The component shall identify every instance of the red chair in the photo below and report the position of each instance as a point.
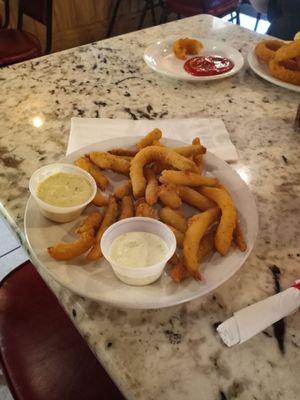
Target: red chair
(188, 8)
(42, 355)
(17, 45)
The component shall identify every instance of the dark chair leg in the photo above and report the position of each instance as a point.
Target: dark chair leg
(238, 22)
(141, 23)
(113, 18)
(151, 6)
(257, 21)
(164, 16)
(6, 14)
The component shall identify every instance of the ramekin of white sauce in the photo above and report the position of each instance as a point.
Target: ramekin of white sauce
(62, 191)
(138, 249)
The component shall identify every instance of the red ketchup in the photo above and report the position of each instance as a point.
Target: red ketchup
(208, 65)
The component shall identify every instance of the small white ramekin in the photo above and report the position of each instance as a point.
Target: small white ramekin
(134, 275)
(55, 213)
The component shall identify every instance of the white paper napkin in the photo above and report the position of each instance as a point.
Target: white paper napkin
(251, 320)
(212, 132)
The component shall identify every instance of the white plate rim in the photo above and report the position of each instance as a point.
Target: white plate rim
(137, 305)
(191, 78)
(255, 66)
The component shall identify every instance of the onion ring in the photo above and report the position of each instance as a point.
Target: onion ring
(279, 71)
(266, 49)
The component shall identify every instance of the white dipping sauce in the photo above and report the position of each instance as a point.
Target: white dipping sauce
(138, 249)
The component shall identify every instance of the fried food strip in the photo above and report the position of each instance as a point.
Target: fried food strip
(173, 218)
(191, 150)
(148, 140)
(123, 152)
(86, 231)
(280, 71)
(127, 208)
(91, 223)
(123, 190)
(100, 200)
(185, 46)
(158, 168)
(179, 236)
(142, 209)
(179, 272)
(238, 237)
(195, 199)
(288, 51)
(168, 195)
(207, 244)
(174, 259)
(266, 49)
(187, 178)
(151, 191)
(109, 218)
(106, 160)
(150, 154)
(197, 227)
(88, 166)
(224, 233)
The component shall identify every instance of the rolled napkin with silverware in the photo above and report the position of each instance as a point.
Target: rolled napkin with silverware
(252, 320)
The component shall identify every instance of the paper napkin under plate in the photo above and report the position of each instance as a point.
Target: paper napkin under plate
(212, 132)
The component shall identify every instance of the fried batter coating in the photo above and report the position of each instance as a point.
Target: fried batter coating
(127, 208)
(197, 227)
(148, 140)
(86, 231)
(151, 191)
(88, 166)
(173, 218)
(187, 178)
(124, 189)
(185, 46)
(150, 154)
(195, 199)
(224, 233)
(106, 160)
(109, 218)
(168, 195)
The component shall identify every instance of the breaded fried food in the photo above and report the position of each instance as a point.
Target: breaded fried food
(195, 199)
(109, 218)
(86, 232)
(127, 208)
(179, 236)
(150, 154)
(265, 50)
(187, 178)
(142, 209)
(148, 140)
(224, 233)
(85, 164)
(123, 152)
(238, 237)
(168, 195)
(151, 191)
(191, 150)
(173, 218)
(281, 70)
(179, 272)
(183, 47)
(106, 160)
(100, 200)
(207, 244)
(125, 189)
(197, 227)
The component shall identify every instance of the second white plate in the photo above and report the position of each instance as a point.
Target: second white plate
(262, 70)
(160, 57)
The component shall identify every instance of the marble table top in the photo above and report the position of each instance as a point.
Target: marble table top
(172, 353)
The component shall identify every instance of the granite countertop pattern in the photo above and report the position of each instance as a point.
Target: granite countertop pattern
(171, 353)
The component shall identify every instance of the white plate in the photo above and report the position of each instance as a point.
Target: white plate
(262, 70)
(160, 58)
(97, 281)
